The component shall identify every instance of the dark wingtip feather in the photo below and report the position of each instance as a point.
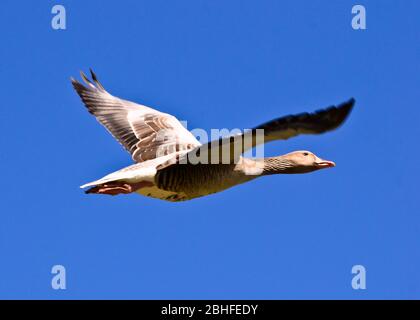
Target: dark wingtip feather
(74, 81)
(93, 75)
(84, 92)
(86, 79)
(77, 86)
(344, 110)
(348, 105)
(95, 79)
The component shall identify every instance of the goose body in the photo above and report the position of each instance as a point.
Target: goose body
(163, 150)
(185, 183)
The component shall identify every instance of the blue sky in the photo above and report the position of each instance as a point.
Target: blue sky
(217, 64)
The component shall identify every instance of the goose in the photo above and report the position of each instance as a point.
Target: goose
(162, 148)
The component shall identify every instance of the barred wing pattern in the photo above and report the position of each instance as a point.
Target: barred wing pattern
(144, 132)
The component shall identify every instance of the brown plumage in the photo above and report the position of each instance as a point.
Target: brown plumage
(164, 150)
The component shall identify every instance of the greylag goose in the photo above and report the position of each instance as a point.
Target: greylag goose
(165, 152)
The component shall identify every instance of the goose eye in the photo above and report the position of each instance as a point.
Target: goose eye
(305, 154)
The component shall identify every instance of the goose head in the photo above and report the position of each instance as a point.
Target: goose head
(296, 162)
(308, 160)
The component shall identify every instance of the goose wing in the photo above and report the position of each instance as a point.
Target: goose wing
(144, 132)
(283, 128)
(318, 122)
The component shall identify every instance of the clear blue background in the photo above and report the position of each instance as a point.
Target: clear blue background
(217, 64)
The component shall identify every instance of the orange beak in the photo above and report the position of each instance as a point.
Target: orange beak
(325, 164)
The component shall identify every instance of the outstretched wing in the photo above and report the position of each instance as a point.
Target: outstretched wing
(278, 129)
(144, 132)
(306, 123)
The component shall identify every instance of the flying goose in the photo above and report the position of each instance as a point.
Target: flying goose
(163, 149)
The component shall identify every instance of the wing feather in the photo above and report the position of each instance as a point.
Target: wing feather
(144, 132)
(278, 129)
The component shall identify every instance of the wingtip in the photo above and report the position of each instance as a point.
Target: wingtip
(84, 77)
(344, 111)
(73, 80)
(93, 74)
(76, 84)
(348, 105)
(95, 79)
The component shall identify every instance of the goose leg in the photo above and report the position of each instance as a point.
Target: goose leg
(111, 189)
(114, 188)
